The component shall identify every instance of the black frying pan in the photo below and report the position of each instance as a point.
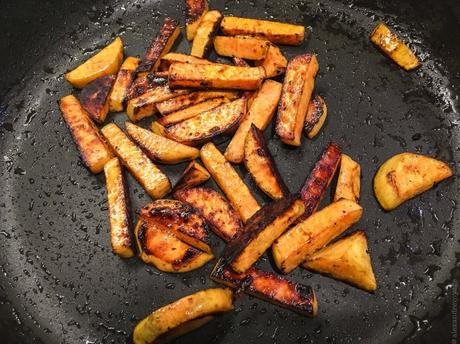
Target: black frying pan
(59, 281)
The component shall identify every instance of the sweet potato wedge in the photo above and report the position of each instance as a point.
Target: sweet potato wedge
(274, 63)
(170, 58)
(196, 9)
(181, 220)
(315, 117)
(215, 76)
(205, 33)
(205, 126)
(143, 84)
(349, 181)
(405, 176)
(160, 46)
(189, 308)
(392, 46)
(155, 182)
(186, 100)
(260, 113)
(246, 47)
(249, 95)
(269, 287)
(193, 175)
(94, 97)
(163, 250)
(276, 32)
(159, 148)
(297, 89)
(346, 259)
(214, 208)
(313, 233)
(191, 111)
(105, 62)
(260, 231)
(158, 129)
(118, 201)
(93, 149)
(261, 166)
(123, 82)
(229, 181)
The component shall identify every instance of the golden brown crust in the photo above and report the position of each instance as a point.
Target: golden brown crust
(349, 180)
(193, 175)
(94, 97)
(196, 9)
(143, 84)
(170, 58)
(122, 84)
(205, 33)
(245, 47)
(274, 63)
(316, 114)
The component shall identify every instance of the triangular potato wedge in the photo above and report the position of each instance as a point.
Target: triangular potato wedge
(94, 97)
(105, 62)
(193, 175)
(346, 259)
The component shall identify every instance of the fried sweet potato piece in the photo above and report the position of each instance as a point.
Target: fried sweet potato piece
(170, 58)
(93, 149)
(94, 97)
(349, 181)
(193, 175)
(143, 84)
(196, 9)
(205, 33)
(315, 117)
(246, 47)
(123, 82)
(274, 63)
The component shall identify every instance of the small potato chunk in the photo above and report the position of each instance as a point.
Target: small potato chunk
(189, 308)
(94, 97)
(118, 201)
(93, 149)
(193, 175)
(274, 63)
(105, 62)
(229, 181)
(196, 9)
(155, 182)
(346, 259)
(276, 32)
(315, 117)
(215, 76)
(393, 47)
(125, 78)
(297, 89)
(349, 181)
(245, 47)
(159, 148)
(260, 114)
(313, 233)
(405, 176)
(205, 33)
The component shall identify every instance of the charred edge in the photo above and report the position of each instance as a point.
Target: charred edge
(195, 9)
(143, 85)
(184, 102)
(210, 38)
(158, 44)
(182, 213)
(189, 255)
(128, 79)
(142, 236)
(316, 108)
(186, 177)
(94, 96)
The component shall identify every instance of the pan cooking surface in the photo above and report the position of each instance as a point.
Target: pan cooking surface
(60, 283)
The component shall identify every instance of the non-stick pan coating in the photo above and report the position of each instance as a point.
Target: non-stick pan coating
(59, 281)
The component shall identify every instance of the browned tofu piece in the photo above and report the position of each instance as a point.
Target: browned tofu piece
(94, 97)
(205, 33)
(246, 47)
(274, 63)
(196, 9)
(193, 175)
(315, 117)
(123, 82)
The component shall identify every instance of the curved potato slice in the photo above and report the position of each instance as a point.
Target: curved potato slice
(193, 175)
(405, 176)
(215, 209)
(315, 117)
(105, 62)
(163, 250)
(192, 307)
(94, 97)
(196, 9)
(160, 148)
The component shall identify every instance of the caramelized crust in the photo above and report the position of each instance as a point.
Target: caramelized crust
(95, 97)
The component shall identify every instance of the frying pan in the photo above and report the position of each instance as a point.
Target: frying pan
(59, 281)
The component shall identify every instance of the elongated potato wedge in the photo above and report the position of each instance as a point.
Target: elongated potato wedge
(214, 208)
(193, 175)
(215, 76)
(246, 47)
(205, 33)
(159, 148)
(297, 89)
(205, 126)
(274, 63)
(390, 44)
(315, 117)
(181, 102)
(312, 234)
(229, 181)
(181, 220)
(276, 32)
(105, 62)
(155, 182)
(123, 82)
(192, 111)
(249, 95)
(182, 311)
(145, 105)
(346, 259)
(143, 84)
(260, 114)
(118, 200)
(261, 166)
(93, 149)
(158, 129)
(269, 287)
(160, 46)
(166, 252)
(196, 10)
(349, 181)
(94, 97)
(260, 231)
(170, 58)
(405, 176)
